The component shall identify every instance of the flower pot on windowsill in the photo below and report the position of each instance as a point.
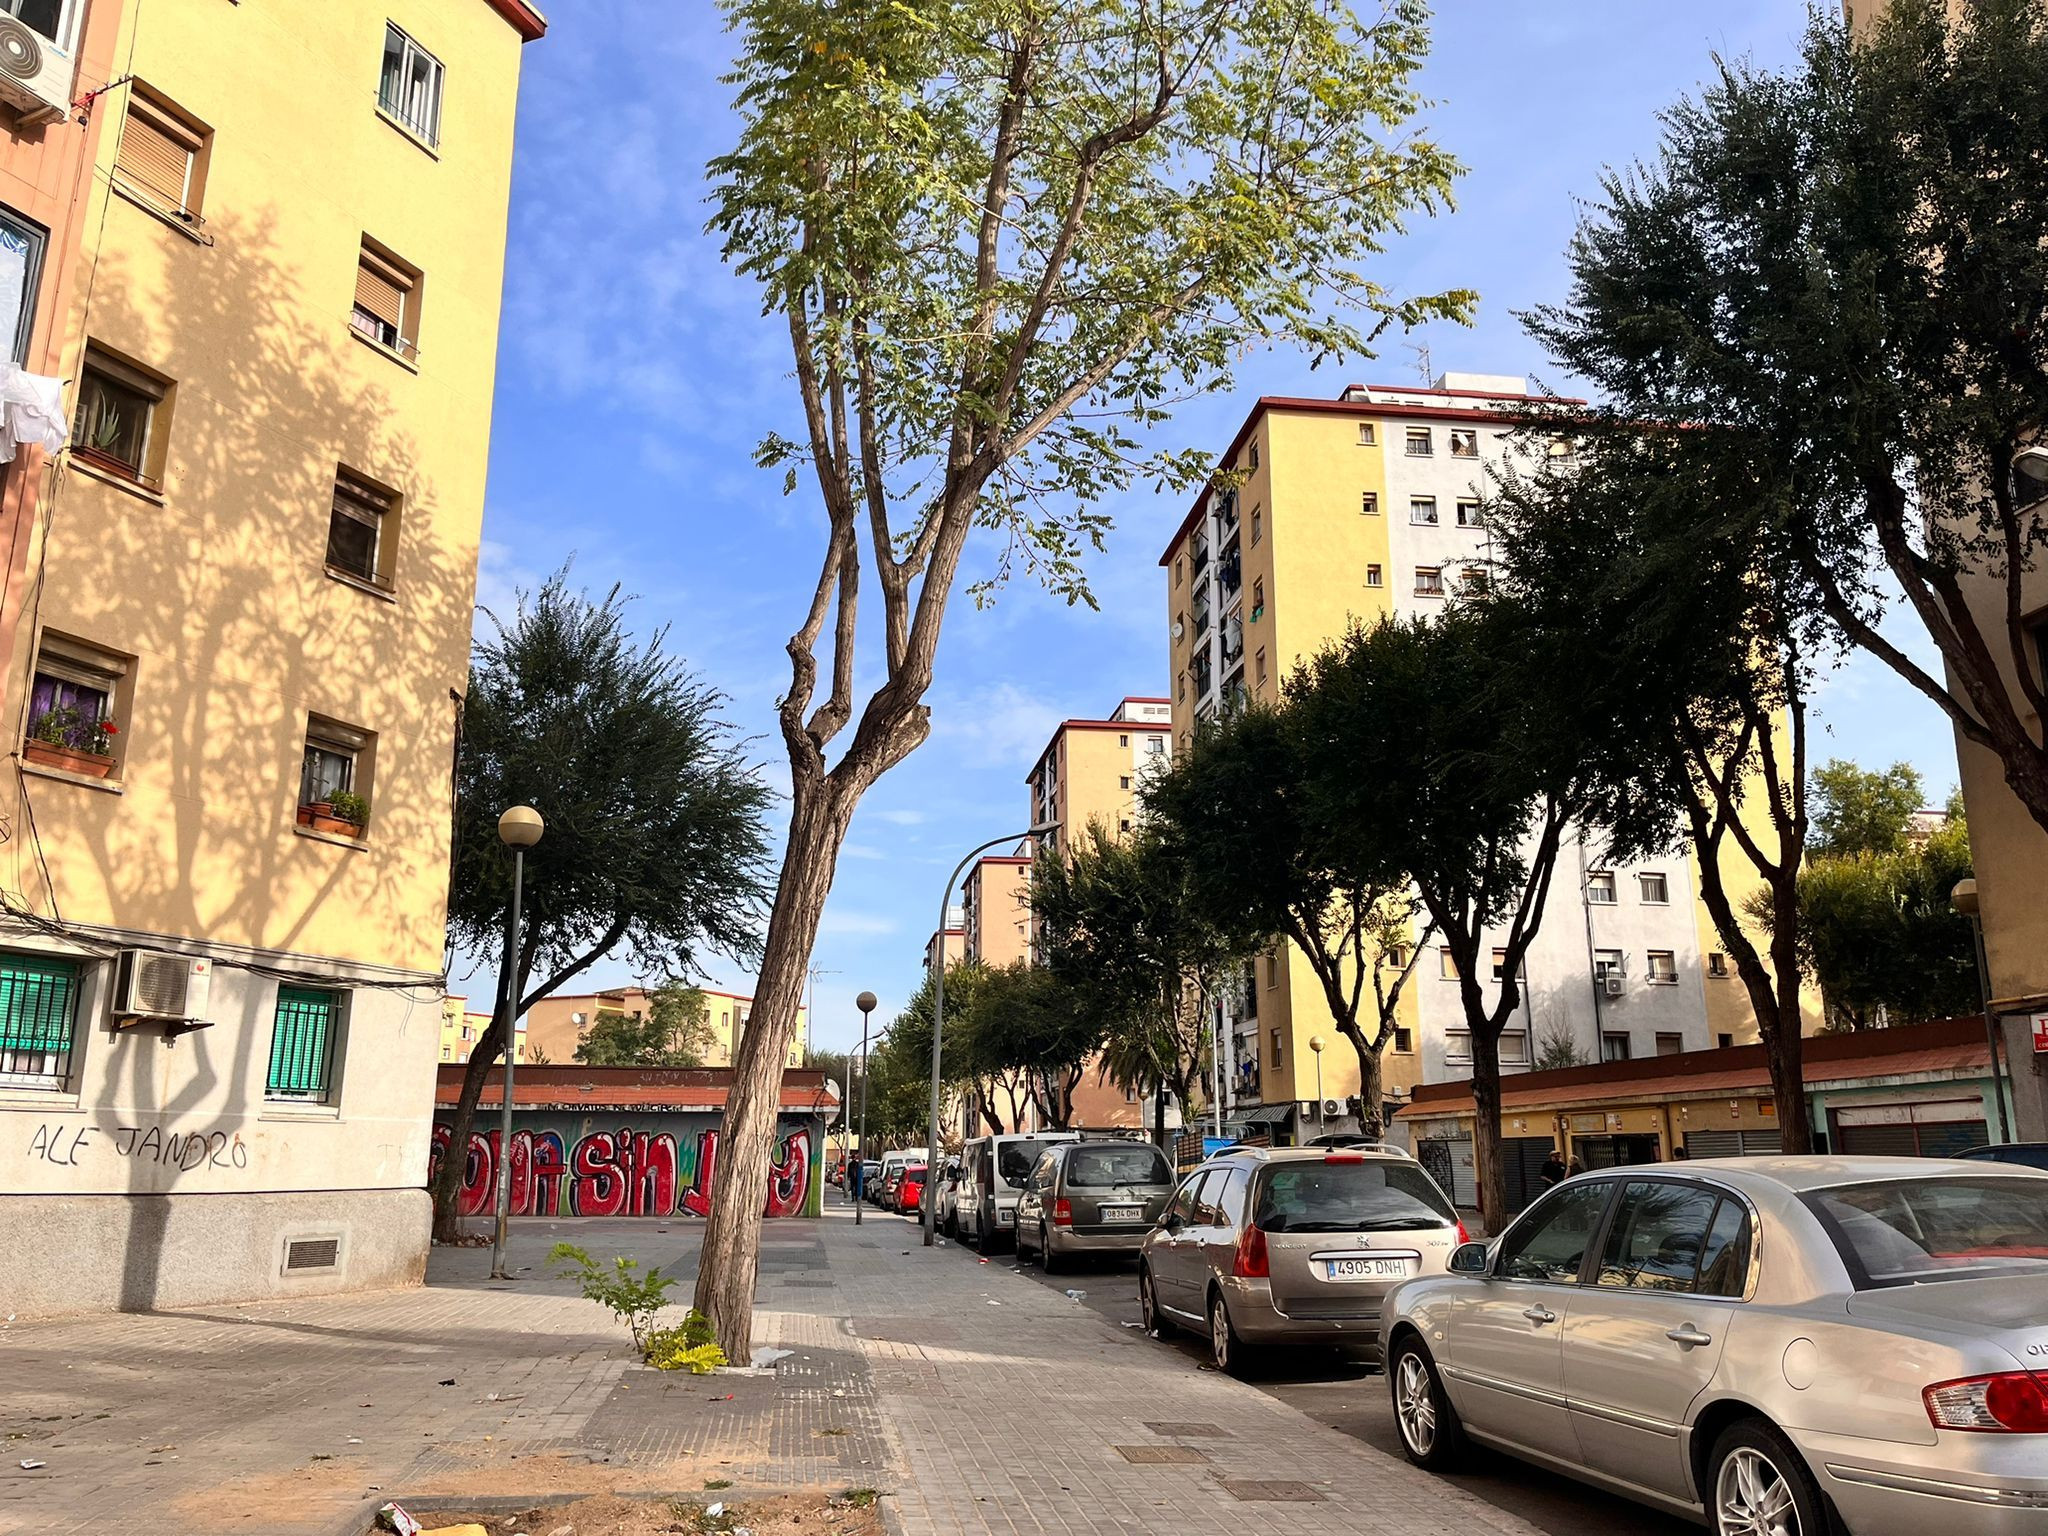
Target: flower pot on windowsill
(320, 817)
(91, 765)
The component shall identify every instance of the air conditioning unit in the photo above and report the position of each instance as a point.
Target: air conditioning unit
(35, 74)
(149, 984)
(1333, 1107)
(1613, 986)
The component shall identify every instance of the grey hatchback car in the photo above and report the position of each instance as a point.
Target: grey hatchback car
(1091, 1197)
(1292, 1245)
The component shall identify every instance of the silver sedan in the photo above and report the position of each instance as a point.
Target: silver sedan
(1770, 1344)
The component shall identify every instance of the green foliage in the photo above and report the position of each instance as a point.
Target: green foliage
(1034, 1022)
(67, 726)
(1556, 1050)
(1860, 810)
(347, 805)
(633, 1298)
(688, 1348)
(675, 1031)
(1880, 933)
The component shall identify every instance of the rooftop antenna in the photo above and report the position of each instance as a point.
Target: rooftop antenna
(1422, 363)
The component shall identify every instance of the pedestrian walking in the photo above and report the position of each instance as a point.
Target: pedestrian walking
(1553, 1170)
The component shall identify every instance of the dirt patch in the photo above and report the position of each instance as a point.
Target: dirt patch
(799, 1514)
(330, 1481)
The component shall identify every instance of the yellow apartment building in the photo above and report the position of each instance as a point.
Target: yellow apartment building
(555, 1025)
(241, 658)
(1353, 509)
(995, 907)
(461, 1028)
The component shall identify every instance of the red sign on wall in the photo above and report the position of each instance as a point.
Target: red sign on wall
(2041, 1033)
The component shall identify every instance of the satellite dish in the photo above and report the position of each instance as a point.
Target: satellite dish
(1178, 628)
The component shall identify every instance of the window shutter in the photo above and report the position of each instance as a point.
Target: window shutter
(154, 156)
(300, 1042)
(36, 1002)
(380, 291)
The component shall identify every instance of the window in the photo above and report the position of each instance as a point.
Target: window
(1155, 746)
(1717, 963)
(1422, 511)
(38, 1019)
(302, 1045)
(1180, 685)
(1123, 781)
(1123, 824)
(1670, 1045)
(1395, 956)
(1473, 578)
(1447, 967)
(1514, 1048)
(161, 159)
(1470, 513)
(21, 275)
(1656, 889)
(335, 761)
(1258, 524)
(1258, 598)
(1419, 444)
(1259, 664)
(1123, 740)
(52, 18)
(74, 702)
(1907, 1231)
(1500, 964)
(1614, 1047)
(1657, 1237)
(357, 529)
(1276, 1048)
(1176, 571)
(1272, 971)
(1317, 1196)
(1607, 962)
(1373, 576)
(1457, 1045)
(1550, 1242)
(1368, 434)
(387, 305)
(410, 89)
(1368, 503)
(116, 424)
(1255, 453)
(1464, 442)
(1663, 968)
(1600, 888)
(1404, 1041)
(1429, 581)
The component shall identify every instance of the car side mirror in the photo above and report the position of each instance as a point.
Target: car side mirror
(1468, 1259)
(1170, 1222)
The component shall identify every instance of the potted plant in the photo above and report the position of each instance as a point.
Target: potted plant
(63, 738)
(342, 813)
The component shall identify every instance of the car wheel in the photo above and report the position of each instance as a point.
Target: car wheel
(1047, 1259)
(1761, 1487)
(1148, 1306)
(1226, 1349)
(1430, 1432)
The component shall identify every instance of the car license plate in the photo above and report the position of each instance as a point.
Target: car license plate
(1005, 1216)
(1366, 1269)
(1123, 1213)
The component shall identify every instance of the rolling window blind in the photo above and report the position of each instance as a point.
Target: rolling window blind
(155, 155)
(380, 290)
(37, 1001)
(301, 1042)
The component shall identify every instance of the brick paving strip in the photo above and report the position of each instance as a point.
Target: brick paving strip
(978, 1400)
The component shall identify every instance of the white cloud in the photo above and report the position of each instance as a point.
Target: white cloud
(900, 818)
(844, 924)
(1003, 726)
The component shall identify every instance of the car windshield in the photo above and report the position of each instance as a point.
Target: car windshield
(1016, 1159)
(2028, 1154)
(1906, 1231)
(1367, 1196)
(1104, 1167)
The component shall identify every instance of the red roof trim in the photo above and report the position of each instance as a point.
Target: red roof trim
(1134, 699)
(1006, 858)
(1349, 408)
(526, 21)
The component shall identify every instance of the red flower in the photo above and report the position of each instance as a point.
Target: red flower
(109, 728)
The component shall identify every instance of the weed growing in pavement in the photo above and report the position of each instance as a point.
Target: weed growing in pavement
(859, 1498)
(688, 1348)
(713, 1484)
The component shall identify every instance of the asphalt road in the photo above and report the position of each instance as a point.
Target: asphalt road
(1351, 1396)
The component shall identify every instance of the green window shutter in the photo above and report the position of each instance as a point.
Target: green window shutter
(301, 1042)
(38, 1000)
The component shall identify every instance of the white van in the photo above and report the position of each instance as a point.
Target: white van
(992, 1171)
(891, 1161)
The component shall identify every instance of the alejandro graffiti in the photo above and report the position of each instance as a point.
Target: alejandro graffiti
(621, 1170)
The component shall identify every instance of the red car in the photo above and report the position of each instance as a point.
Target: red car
(910, 1190)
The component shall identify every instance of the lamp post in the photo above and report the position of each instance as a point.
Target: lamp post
(866, 1004)
(1964, 899)
(1315, 1044)
(518, 829)
(931, 1163)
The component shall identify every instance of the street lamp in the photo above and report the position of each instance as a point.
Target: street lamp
(518, 829)
(931, 1164)
(866, 1004)
(1315, 1044)
(1964, 899)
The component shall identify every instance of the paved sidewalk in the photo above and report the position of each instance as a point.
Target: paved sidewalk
(979, 1400)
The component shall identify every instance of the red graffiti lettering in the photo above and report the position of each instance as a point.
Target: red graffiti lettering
(614, 1173)
(697, 1199)
(599, 1188)
(789, 1176)
(653, 1175)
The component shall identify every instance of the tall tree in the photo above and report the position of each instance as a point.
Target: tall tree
(674, 1031)
(1001, 234)
(655, 846)
(1457, 752)
(1235, 811)
(1864, 810)
(1833, 269)
(1646, 559)
(1030, 1021)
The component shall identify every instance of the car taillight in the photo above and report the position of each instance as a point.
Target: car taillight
(2011, 1403)
(1463, 1236)
(1250, 1263)
(1063, 1213)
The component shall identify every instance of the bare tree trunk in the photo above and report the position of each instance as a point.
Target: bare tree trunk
(1492, 1177)
(1371, 1097)
(731, 1253)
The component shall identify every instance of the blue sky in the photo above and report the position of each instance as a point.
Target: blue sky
(636, 374)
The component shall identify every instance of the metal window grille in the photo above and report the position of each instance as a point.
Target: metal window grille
(302, 1044)
(38, 1017)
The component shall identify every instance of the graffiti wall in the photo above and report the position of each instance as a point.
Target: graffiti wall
(625, 1164)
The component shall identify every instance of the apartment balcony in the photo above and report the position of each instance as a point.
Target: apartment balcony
(1198, 553)
(1202, 672)
(1233, 638)
(1229, 572)
(1226, 517)
(1198, 615)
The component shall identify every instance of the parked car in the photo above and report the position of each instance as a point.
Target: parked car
(1267, 1246)
(992, 1171)
(893, 1164)
(944, 1189)
(885, 1192)
(909, 1190)
(870, 1179)
(1768, 1343)
(2026, 1154)
(1091, 1197)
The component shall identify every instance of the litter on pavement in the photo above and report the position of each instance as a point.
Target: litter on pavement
(30, 1466)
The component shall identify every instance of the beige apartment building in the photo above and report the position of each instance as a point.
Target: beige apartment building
(462, 1027)
(995, 907)
(1350, 510)
(242, 648)
(554, 1026)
